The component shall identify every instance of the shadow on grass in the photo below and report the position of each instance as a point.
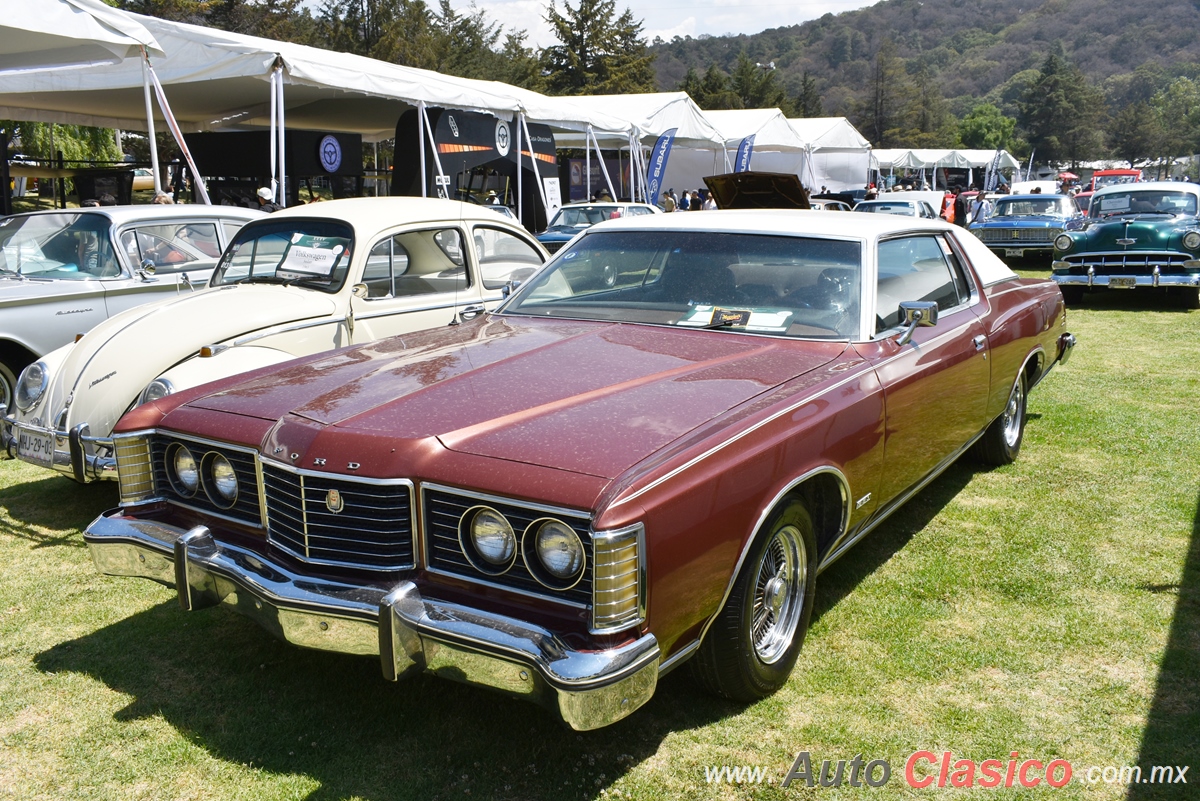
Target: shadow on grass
(1172, 735)
(1163, 299)
(51, 511)
(874, 550)
(245, 698)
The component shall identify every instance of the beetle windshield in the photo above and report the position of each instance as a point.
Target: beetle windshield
(1143, 201)
(312, 253)
(777, 285)
(72, 247)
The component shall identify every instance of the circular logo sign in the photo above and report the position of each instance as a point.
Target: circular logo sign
(503, 140)
(330, 153)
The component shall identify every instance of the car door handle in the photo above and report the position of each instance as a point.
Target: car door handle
(980, 342)
(471, 312)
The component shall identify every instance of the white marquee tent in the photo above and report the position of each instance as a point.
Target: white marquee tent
(839, 157)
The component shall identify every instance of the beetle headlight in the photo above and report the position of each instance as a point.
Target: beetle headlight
(1191, 240)
(1062, 242)
(224, 480)
(491, 544)
(31, 385)
(156, 390)
(554, 554)
(184, 472)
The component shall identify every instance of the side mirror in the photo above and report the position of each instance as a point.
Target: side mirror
(148, 267)
(917, 313)
(359, 290)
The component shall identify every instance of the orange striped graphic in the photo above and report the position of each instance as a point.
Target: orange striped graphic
(448, 148)
(546, 157)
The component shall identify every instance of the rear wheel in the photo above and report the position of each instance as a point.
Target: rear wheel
(753, 644)
(1001, 443)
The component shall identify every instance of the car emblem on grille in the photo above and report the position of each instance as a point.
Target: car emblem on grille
(334, 501)
(1016, 234)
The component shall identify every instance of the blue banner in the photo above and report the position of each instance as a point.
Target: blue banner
(745, 151)
(658, 163)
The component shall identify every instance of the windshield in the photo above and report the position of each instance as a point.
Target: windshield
(777, 285)
(904, 209)
(1143, 201)
(1029, 207)
(72, 247)
(580, 217)
(1102, 181)
(313, 253)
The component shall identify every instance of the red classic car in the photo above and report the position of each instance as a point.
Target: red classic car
(645, 457)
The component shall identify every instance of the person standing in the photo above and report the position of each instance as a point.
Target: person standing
(960, 207)
(265, 200)
(683, 204)
(668, 202)
(981, 208)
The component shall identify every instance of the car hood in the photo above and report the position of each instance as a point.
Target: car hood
(548, 393)
(1025, 220)
(1150, 232)
(104, 372)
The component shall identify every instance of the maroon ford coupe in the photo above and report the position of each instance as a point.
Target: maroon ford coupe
(646, 456)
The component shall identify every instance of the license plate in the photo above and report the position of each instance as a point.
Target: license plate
(1122, 283)
(35, 447)
(1014, 253)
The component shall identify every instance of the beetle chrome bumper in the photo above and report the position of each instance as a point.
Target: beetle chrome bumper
(75, 453)
(410, 634)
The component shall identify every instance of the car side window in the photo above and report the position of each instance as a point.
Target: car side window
(916, 268)
(172, 247)
(504, 257)
(421, 262)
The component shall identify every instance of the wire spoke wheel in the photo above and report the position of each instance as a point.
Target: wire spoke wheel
(1012, 422)
(778, 594)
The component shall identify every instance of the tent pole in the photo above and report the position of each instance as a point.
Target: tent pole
(375, 164)
(537, 173)
(520, 194)
(273, 137)
(587, 151)
(173, 126)
(442, 189)
(150, 125)
(603, 169)
(282, 201)
(421, 143)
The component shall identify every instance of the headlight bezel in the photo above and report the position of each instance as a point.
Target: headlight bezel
(1063, 242)
(535, 562)
(210, 464)
(468, 540)
(179, 485)
(1191, 240)
(164, 387)
(23, 399)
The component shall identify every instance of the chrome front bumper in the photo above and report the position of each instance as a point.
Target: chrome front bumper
(75, 452)
(409, 634)
(1155, 279)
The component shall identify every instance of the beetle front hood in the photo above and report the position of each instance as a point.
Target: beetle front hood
(107, 369)
(592, 398)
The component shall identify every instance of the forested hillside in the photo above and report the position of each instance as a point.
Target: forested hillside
(935, 61)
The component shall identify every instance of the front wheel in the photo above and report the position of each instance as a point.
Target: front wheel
(1001, 443)
(753, 644)
(8, 386)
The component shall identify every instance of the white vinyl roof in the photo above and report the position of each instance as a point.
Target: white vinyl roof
(829, 133)
(769, 127)
(67, 33)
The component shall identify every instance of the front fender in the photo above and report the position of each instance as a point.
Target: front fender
(202, 369)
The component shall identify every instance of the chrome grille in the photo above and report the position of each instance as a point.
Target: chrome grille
(134, 471)
(553, 247)
(442, 512)
(372, 530)
(1023, 235)
(1124, 263)
(244, 510)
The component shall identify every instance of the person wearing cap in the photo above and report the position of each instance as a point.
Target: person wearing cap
(492, 199)
(265, 202)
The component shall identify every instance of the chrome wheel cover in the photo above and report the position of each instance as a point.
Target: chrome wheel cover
(779, 591)
(1011, 420)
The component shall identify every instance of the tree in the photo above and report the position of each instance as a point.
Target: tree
(886, 98)
(1136, 135)
(1061, 113)
(600, 53)
(987, 128)
(757, 87)
(808, 103)
(43, 140)
(1178, 112)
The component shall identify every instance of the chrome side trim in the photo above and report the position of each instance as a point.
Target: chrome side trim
(762, 518)
(678, 658)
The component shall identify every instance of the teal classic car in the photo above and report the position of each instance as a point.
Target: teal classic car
(1136, 236)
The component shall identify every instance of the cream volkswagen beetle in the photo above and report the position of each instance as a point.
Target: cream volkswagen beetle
(301, 281)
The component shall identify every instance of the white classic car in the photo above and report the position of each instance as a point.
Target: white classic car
(62, 272)
(300, 281)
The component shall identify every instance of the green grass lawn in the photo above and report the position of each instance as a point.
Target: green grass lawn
(1051, 607)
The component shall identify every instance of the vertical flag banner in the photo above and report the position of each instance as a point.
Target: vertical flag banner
(658, 163)
(745, 151)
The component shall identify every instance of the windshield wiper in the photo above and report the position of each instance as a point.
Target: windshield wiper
(262, 279)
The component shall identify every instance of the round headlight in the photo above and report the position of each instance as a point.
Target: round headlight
(558, 555)
(1062, 242)
(156, 390)
(224, 480)
(186, 471)
(1191, 240)
(31, 385)
(492, 539)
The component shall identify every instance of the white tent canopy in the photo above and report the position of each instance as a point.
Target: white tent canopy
(927, 159)
(68, 34)
(652, 114)
(839, 157)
